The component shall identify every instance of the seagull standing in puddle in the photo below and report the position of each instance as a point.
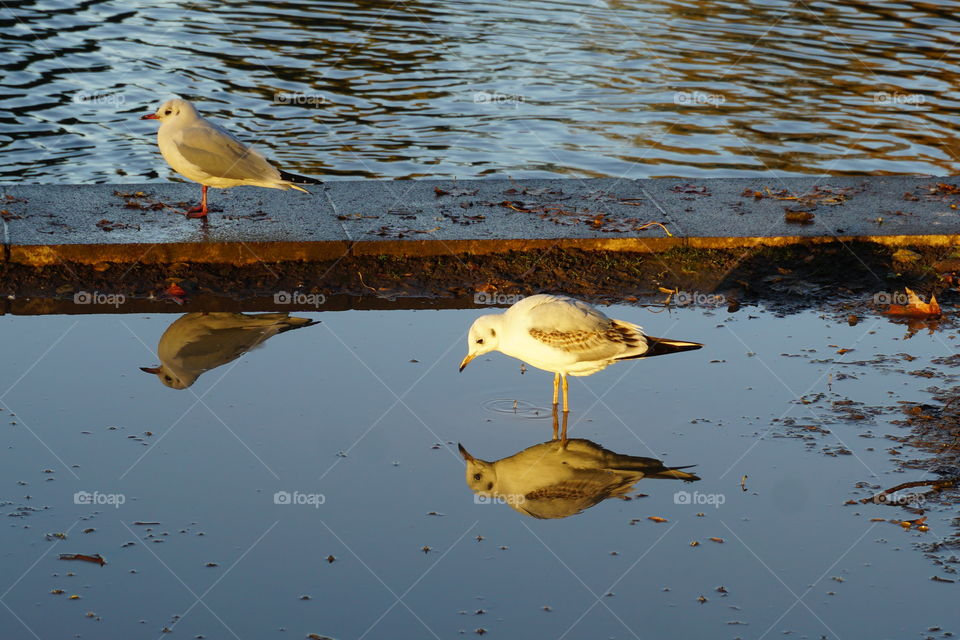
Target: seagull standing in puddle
(204, 152)
(564, 336)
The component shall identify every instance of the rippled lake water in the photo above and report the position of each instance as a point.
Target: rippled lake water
(470, 89)
(354, 423)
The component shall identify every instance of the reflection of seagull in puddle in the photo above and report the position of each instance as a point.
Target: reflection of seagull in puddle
(559, 478)
(564, 336)
(199, 342)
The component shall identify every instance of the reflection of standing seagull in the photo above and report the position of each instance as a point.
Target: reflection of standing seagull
(557, 479)
(199, 342)
(206, 153)
(564, 336)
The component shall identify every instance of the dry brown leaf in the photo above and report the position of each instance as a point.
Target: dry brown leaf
(915, 307)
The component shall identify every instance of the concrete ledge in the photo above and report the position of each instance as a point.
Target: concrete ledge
(139, 223)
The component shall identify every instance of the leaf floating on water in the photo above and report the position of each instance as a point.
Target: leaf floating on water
(720, 540)
(656, 518)
(915, 307)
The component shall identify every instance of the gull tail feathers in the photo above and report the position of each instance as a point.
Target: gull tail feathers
(664, 346)
(675, 473)
(292, 180)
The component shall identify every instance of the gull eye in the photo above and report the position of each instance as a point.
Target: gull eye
(477, 476)
(167, 112)
(167, 378)
(479, 340)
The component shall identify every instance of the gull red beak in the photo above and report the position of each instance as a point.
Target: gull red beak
(156, 369)
(149, 116)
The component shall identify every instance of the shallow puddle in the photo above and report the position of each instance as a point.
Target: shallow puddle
(314, 484)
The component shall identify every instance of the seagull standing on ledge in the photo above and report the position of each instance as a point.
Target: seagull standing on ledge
(203, 152)
(564, 336)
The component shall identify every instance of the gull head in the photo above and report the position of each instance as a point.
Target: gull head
(484, 337)
(172, 110)
(481, 475)
(167, 377)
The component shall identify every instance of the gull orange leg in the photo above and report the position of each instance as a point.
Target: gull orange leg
(201, 211)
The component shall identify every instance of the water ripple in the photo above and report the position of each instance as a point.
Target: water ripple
(468, 89)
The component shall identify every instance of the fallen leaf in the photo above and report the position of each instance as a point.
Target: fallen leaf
(656, 519)
(915, 307)
(175, 290)
(798, 217)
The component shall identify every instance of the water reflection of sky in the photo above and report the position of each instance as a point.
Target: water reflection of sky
(340, 409)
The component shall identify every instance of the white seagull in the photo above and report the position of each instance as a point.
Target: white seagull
(564, 336)
(206, 153)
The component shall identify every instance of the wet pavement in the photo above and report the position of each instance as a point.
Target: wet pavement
(47, 224)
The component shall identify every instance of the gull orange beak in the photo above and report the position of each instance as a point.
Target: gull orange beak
(149, 116)
(155, 369)
(466, 454)
(466, 361)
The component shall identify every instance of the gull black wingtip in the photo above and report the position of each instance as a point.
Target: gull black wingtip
(297, 179)
(664, 346)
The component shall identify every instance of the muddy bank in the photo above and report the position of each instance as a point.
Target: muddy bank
(785, 276)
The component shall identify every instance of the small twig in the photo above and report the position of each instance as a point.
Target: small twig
(365, 284)
(95, 558)
(647, 225)
(938, 485)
